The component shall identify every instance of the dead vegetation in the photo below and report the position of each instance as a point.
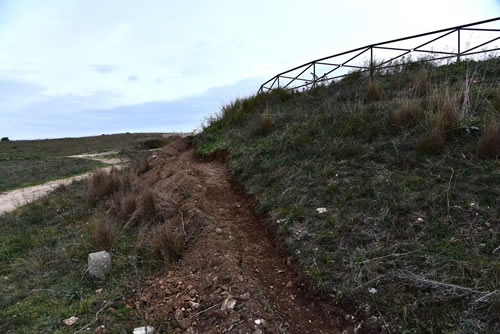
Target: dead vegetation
(489, 142)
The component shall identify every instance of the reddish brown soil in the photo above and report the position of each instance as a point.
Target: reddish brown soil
(229, 258)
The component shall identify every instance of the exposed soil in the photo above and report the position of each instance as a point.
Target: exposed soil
(231, 278)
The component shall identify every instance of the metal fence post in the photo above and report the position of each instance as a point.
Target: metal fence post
(458, 50)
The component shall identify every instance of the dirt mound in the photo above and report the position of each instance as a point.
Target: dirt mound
(231, 279)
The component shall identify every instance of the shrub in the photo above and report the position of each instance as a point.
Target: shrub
(103, 234)
(138, 162)
(99, 185)
(489, 142)
(123, 204)
(407, 113)
(146, 212)
(266, 123)
(374, 90)
(446, 108)
(432, 141)
(166, 245)
(5, 139)
(421, 84)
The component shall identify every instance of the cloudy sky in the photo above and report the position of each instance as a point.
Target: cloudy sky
(85, 67)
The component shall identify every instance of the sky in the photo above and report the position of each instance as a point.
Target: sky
(72, 68)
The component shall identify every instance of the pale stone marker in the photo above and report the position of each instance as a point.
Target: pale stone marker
(99, 264)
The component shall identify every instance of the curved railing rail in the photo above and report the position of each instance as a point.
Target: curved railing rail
(336, 66)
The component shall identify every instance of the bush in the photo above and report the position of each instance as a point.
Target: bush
(489, 142)
(166, 245)
(445, 107)
(103, 234)
(266, 123)
(374, 90)
(5, 139)
(99, 185)
(432, 141)
(421, 84)
(407, 113)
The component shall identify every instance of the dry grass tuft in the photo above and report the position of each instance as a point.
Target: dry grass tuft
(99, 185)
(146, 212)
(103, 234)
(407, 113)
(166, 245)
(431, 142)
(489, 142)
(421, 85)
(374, 90)
(266, 123)
(446, 107)
(123, 204)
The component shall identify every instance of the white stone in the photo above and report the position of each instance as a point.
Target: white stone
(372, 290)
(144, 330)
(70, 321)
(228, 304)
(99, 264)
(321, 210)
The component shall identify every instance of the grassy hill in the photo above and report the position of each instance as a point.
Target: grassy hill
(406, 165)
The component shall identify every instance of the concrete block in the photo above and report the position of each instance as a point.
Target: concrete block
(99, 264)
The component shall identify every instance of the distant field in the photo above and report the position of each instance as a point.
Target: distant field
(29, 162)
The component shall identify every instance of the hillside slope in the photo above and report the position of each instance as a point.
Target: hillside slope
(406, 166)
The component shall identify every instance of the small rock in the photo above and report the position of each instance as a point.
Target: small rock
(239, 277)
(321, 210)
(372, 291)
(70, 321)
(228, 304)
(98, 291)
(194, 305)
(184, 323)
(99, 264)
(101, 329)
(258, 321)
(289, 284)
(245, 296)
(144, 330)
(218, 230)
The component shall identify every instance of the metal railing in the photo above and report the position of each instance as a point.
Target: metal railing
(334, 67)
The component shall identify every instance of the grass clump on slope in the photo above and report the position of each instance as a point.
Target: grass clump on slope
(406, 164)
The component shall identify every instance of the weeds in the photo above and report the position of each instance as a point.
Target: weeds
(166, 245)
(489, 142)
(103, 233)
(266, 123)
(374, 90)
(99, 185)
(421, 85)
(407, 113)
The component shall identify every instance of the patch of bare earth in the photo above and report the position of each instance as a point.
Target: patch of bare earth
(231, 278)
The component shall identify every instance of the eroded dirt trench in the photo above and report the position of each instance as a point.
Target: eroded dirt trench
(231, 278)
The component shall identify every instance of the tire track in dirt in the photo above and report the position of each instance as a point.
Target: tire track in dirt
(231, 278)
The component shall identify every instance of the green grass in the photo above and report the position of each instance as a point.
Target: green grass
(23, 173)
(418, 225)
(30, 162)
(43, 261)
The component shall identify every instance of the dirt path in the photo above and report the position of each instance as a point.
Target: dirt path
(231, 278)
(12, 199)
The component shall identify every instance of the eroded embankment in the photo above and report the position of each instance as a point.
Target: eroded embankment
(231, 278)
